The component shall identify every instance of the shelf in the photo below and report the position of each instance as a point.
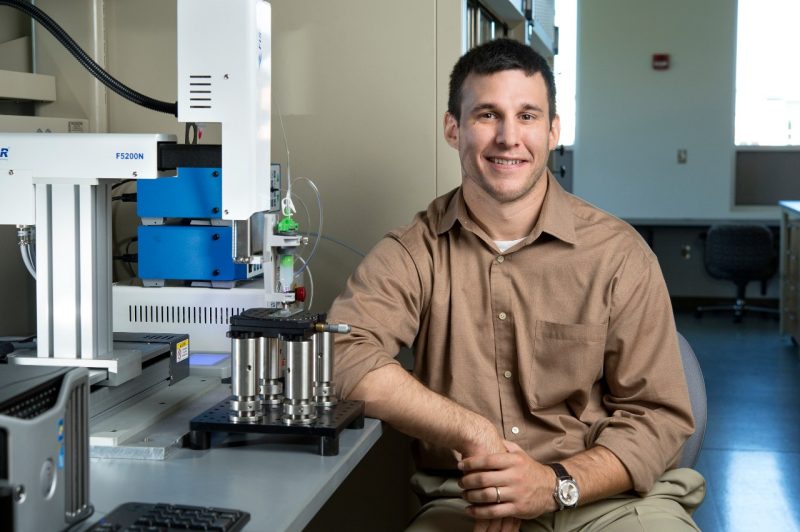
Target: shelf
(42, 124)
(505, 10)
(27, 87)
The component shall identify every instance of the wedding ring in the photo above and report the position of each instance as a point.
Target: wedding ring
(498, 494)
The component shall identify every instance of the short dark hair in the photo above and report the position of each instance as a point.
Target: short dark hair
(496, 56)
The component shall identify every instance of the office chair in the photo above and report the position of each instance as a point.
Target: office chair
(697, 396)
(740, 253)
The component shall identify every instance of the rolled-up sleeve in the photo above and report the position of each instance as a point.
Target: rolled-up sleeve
(647, 398)
(382, 303)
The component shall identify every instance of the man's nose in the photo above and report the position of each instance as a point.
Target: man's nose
(507, 133)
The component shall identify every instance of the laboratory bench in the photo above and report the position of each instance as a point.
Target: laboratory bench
(282, 482)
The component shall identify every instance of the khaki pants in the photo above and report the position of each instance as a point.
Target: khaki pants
(667, 507)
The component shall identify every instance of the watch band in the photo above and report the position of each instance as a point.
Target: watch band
(561, 472)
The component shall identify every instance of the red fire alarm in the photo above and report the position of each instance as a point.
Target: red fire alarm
(660, 61)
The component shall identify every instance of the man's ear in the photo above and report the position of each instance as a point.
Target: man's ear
(451, 130)
(555, 132)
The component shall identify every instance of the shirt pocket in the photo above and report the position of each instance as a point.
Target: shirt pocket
(566, 363)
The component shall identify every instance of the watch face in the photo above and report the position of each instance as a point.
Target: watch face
(568, 492)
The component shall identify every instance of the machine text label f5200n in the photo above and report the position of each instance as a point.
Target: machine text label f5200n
(127, 155)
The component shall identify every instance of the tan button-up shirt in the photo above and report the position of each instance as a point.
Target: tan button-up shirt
(564, 341)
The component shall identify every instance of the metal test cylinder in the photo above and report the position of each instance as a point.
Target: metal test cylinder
(315, 347)
(245, 405)
(298, 401)
(324, 390)
(261, 356)
(270, 374)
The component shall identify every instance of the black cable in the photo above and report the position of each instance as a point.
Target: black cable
(129, 197)
(83, 58)
(128, 252)
(131, 240)
(124, 181)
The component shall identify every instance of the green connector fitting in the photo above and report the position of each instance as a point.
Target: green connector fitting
(287, 225)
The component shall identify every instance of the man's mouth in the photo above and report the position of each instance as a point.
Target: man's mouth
(505, 162)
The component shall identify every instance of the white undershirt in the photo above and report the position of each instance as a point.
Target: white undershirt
(504, 245)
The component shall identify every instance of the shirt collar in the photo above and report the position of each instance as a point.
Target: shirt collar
(556, 217)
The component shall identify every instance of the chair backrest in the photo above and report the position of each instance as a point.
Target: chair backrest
(740, 252)
(697, 396)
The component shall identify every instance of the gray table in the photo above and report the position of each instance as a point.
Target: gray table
(281, 485)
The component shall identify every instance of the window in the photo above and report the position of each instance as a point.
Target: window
(767, 76)
(483, 26)
(565, 67)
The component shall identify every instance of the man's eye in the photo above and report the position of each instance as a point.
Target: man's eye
(488, 116)
(527, 116)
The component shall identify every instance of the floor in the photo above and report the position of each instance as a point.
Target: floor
(751, 451)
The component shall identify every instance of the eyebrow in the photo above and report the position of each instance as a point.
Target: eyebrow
(488, 106)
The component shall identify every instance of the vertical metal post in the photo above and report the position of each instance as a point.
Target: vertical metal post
(298, 402)
(325, 390)
(272, 388)
(245, 406)
(73, 261)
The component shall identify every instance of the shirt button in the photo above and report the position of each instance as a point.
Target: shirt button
(515, 430)
(507, 374)
(502, 315)
(500, 258)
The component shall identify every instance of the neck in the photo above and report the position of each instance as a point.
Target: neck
(505, 220)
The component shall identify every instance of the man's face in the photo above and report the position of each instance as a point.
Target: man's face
(504, 136)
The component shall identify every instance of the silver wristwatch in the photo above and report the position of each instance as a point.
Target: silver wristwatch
(566, 493)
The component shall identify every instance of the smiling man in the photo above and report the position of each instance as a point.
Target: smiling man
(547, 391)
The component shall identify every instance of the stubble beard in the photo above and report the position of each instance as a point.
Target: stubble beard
(509, 196)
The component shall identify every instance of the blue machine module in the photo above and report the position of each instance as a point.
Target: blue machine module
(175, 249)
(188, 253)
(195, 193)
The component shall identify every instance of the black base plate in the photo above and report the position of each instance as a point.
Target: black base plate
(329, 424)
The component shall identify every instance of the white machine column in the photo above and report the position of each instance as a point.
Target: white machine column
(73, 262)
(61, 183)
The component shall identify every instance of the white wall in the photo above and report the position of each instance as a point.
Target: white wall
(356, 84)
(631, 119)
(13, 24)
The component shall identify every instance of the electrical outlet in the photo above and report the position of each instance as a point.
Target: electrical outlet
(682, 156)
